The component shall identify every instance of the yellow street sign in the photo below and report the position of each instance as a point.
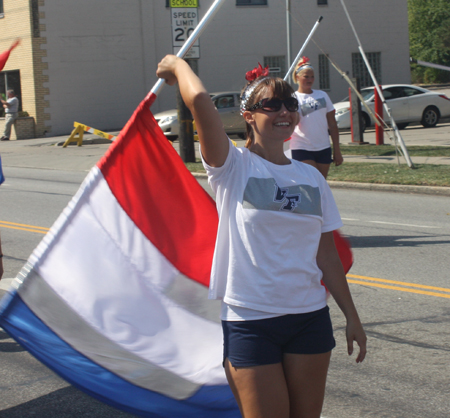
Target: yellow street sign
(183, 3)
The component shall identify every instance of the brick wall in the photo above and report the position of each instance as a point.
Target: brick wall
(21, 19)
(23, 128)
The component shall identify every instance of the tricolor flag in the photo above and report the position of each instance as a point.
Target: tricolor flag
(114, 298)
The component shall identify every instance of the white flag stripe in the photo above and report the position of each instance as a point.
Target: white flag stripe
(47, 305)
(153, 327)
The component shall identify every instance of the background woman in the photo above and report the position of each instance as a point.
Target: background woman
(277, 330)
(310, 141)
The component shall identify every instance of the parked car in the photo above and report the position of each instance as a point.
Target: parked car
(407, 104)
(227, 103)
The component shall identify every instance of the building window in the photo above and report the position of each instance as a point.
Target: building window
(324, 72)
(277, 65)
(322, 2)
(10, 80)
(251, 2)
(1, 8)
(360, 70)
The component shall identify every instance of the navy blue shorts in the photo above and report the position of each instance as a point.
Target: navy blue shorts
(264, 341)
(321, 157)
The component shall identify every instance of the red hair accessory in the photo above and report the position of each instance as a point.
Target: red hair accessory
(257, 72)
(303, 61)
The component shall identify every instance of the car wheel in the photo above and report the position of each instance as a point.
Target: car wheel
(242, 135)
(172, 138)
(365, 120)
(401, 126)
(430, 117)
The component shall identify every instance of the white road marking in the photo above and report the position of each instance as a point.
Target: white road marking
(394, 223)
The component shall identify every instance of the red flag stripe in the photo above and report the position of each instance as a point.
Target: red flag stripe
(153, 186)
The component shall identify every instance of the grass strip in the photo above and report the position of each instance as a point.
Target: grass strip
(389, 150)
(422, 175)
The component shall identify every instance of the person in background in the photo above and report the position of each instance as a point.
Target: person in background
(11, 113)
(274, 245)
(310, 142)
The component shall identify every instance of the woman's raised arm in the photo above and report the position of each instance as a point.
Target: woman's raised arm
(213, 139)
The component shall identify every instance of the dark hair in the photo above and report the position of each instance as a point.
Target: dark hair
(279, 88)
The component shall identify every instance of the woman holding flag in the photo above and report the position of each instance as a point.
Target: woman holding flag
(277, 329)
(310, 141)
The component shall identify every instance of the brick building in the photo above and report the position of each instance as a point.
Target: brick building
(92, 61)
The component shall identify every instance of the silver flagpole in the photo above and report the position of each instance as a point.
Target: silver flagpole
(375, 83)
(286, 77)
(190, 41)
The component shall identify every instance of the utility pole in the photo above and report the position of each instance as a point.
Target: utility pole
(186, 131)
(288, 29)
(184, 26)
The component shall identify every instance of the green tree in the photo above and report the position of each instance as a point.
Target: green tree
(429, 38)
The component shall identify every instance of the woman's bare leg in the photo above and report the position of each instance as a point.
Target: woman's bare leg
(306, 376)
(323, 168)
(260, 391)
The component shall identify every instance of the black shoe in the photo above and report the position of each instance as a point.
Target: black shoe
(3, 138)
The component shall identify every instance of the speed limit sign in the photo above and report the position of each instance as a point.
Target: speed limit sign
(184, 21)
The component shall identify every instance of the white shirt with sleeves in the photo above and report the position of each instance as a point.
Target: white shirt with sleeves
(13, 105)
(311, 133)
(271, 218)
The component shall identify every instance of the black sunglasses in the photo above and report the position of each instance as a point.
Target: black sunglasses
(274, 105)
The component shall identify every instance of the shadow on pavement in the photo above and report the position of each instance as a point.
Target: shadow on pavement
(64, 403)
(383, 241)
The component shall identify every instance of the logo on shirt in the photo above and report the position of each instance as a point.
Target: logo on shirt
(288, 202)
(313, 105)
(266, 194)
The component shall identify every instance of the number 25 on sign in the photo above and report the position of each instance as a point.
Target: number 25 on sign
(183, 3)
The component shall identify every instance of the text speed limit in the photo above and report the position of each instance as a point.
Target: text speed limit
(184, 21)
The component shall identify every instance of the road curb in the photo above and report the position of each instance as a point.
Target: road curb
(401, 188)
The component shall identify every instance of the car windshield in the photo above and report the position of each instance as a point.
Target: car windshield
(366, 93)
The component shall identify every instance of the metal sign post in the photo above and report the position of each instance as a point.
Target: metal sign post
(184, 21)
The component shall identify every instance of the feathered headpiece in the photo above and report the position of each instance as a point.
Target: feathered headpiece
(303, 65)
(259, 73)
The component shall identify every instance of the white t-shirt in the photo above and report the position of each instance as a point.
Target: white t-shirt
(311, 133)
(271, 218)
(13, 105)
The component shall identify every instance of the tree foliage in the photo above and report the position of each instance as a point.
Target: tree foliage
(429, 38)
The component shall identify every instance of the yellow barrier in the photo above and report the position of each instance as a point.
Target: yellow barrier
(77, 134)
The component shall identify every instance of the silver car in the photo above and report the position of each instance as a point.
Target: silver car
(407, 103)
(227, 103)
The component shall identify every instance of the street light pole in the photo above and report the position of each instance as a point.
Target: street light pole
(288, 30)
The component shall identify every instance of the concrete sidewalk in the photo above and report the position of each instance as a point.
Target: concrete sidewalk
(48, 153)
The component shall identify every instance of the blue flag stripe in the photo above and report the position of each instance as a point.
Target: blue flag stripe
(28, 330)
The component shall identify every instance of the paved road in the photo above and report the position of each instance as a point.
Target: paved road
(399, 239)
(408, 368)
